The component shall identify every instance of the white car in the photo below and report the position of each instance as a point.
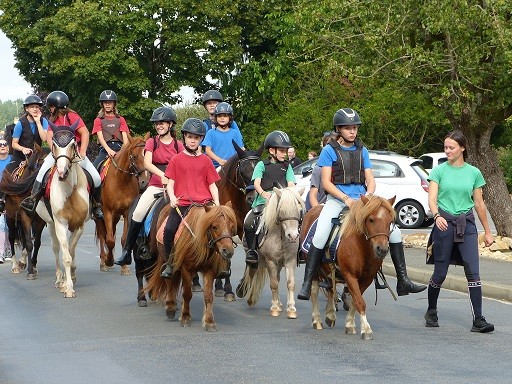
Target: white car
(395, 175)
(430, 160)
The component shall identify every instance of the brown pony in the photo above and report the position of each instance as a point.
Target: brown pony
(120, 187)
(363, 245)
(206, 246)
(235, 178)
(20, 225)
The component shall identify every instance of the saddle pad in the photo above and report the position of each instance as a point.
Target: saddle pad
(105, 165)
(49, 181)
(160, 232)
(306, 244)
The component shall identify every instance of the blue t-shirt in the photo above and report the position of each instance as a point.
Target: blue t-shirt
(16, 134)
(3, 164)
(220, 142)
(328, 158)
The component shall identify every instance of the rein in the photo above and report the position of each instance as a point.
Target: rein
(136, 171)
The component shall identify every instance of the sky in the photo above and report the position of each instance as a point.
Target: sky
(12, 85)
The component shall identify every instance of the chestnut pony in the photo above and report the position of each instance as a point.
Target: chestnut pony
(19, 223)
(205, 245)
(121, 185)
(361, 250)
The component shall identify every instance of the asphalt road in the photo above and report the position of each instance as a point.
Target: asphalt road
(102, 336)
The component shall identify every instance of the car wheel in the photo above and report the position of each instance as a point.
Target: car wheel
(409, 215)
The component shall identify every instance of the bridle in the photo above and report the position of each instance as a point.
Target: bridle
(238, 174)
(280, 220)
(133, 170)
(368, 236)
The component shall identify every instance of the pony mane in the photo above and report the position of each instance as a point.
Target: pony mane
(196, 249)
(353, 223)
(286, 204)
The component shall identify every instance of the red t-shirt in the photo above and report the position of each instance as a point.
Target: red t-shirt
(68, 121)
(123, 127)
(161, 155)
(192, 177)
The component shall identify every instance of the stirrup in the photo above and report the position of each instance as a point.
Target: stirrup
(28, 204)
(167, 272)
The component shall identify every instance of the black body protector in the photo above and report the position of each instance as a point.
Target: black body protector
(348, 167)
(274, 175)
(110, 129)
(27, 138)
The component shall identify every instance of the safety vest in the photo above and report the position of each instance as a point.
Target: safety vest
(110, 129)
(274, 175)
(348, 167)
(27, 138)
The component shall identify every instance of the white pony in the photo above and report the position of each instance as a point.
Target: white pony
(280, 222)
(69, 202)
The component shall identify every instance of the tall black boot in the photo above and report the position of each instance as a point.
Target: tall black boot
(29, 203)
(97, 212)
(404, 285)
(133, 232)
(2, 202)
(312, 262)
(251, 255)
(168, 271)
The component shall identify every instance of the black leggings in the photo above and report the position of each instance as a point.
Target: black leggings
(171, 227)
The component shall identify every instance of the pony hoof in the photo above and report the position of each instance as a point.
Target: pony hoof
(22, 266)
(330, 323)
(197, 288)
(142, 303)
(367, 336)
(185, 323)
(240, 291)
(32, 276)
(229, 297)
(274, 312)
(210, 328)
(15, 271)
(318, 326)
(125, 270)
(219, 292)
(350, 330)
(170, 313)
(69, 295)
(103, 268)
(291, 314)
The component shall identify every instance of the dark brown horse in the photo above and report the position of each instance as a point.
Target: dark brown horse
(20, 225)
(361, 250)
(121, 185)
(235, 178)
(205, 246)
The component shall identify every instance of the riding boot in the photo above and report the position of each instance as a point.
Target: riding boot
(2, 202)
(378, 285)
(29, 203)
(251, 255)
(168, 271)
(312, 262)
(97, 212)
(133, 233)
(404, 285)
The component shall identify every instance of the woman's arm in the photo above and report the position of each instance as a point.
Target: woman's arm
(84, 140)
(481, 211)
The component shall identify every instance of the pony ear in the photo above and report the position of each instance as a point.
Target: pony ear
(239, 151)
(259, 151)
(147, 135)
(300, 191)
(74, 125)
(277, 191)
(364, 199)
(53, 126)
(392, 200)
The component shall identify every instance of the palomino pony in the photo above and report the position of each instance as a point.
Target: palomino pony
(235, 177)
(281, 222)
(69, 205)
(120, 188)
(205, 245)
(364, 242)
(19, 223)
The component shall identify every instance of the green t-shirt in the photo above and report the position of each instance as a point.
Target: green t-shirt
(258, 174)
(456, 186)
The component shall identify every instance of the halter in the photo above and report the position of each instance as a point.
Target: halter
(136, 171)
(238, 174)
(212, 241)
(299, 219)
(368, 236)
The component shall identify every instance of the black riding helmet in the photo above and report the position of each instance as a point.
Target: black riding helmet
(163, 114)
(346, 116)
(223, 108)
(194, 126)
(33, 99)
(277, 139)
(212, 94)
(108, 95)
(57, 99)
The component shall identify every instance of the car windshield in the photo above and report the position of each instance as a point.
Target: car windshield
(302, 166)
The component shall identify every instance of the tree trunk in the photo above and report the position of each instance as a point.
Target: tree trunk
(496, 196)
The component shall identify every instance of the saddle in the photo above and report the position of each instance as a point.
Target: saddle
(103, 167)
